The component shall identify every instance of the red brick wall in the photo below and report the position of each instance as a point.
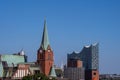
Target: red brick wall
(75, 63)
(45, 60)
(79, 64)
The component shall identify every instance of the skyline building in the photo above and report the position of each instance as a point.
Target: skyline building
(75, 70)
(90, 58)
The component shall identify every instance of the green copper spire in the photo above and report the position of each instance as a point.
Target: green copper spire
(52, 72)
(45, 40)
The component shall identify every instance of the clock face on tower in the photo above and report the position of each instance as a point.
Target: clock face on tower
(48, 50)
(40, 51)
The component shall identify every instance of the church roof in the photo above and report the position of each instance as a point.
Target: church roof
(1, 69)
(45, 40)
(52, 72)
(9, 60)
(12, 59)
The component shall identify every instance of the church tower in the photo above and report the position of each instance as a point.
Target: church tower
(45, 53)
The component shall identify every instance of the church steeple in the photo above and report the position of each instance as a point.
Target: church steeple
(45, 40)
(45, 54)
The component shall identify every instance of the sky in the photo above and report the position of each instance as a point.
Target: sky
(71, 25)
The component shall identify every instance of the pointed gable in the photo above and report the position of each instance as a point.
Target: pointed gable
(52, 72)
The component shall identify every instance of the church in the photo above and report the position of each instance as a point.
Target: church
(45, 56)
(15, 66)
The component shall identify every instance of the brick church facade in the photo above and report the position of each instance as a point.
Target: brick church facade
(45, 53)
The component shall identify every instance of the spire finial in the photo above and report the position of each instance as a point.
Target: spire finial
(44, 20)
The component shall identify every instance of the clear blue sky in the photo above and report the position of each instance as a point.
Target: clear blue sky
(71, 25)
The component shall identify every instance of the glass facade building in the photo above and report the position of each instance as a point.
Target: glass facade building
(90, 58)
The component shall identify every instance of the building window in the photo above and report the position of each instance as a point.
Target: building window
(40, 51)
(94, 73)
(36, 71)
